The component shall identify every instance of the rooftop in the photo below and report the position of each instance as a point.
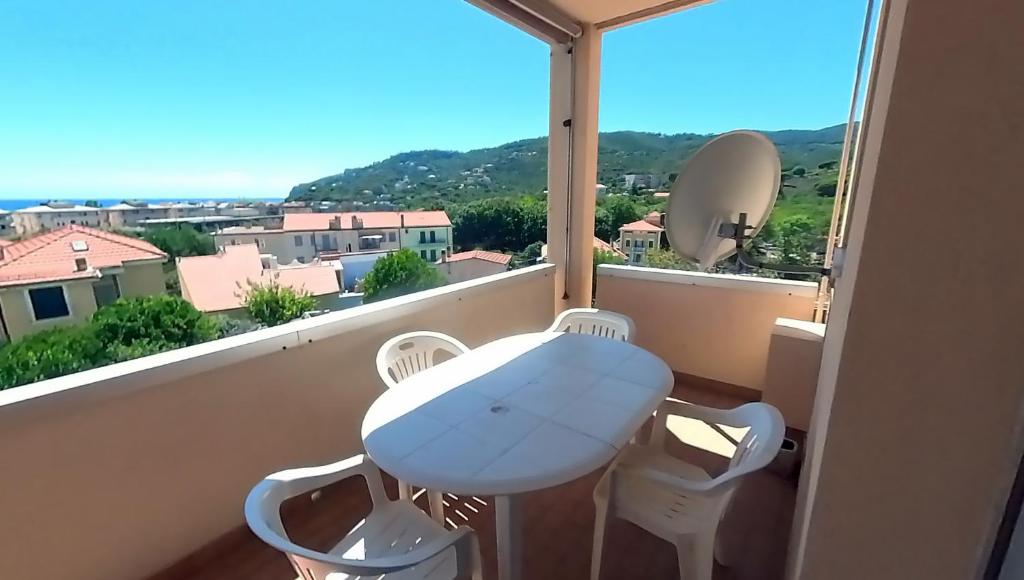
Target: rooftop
(51, 256)
(56, 207)
(370, 220)
(218, 282)
(493, 257)
(641, 226)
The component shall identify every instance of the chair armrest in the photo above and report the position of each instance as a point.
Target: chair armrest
(462, 538)
(679, 483)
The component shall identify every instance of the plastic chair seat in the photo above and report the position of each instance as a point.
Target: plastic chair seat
(391, 530)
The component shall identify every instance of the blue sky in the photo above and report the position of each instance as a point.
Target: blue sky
(210, 98)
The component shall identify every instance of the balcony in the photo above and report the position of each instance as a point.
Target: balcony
(139, 469)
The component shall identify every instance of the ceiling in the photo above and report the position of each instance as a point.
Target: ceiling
(612, 13)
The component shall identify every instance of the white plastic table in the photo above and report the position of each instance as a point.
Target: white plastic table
(518, 414)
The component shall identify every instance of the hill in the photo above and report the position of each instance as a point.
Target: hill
(431, 177)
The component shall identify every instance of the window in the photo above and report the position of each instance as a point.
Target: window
(423, 238)
(106, 290)
(301, 259)
(637, 258)
(48, 303)
(433, 254)
(312, 239)
(298, 241)
(423, 253)
(627, 242)
(650, 243)
(391, 236)
(325, 240)
(234, 242)
(433, 237)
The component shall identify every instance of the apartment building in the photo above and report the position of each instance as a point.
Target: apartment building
(6, 224)
(50, 216)
(63, 276)
(305, 236)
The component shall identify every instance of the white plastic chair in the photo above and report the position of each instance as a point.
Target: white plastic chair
(675, 500)
(596, 322)
(407, 354)
(402, 357)
(395, 541)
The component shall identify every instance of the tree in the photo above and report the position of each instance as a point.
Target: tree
(529, 255)
(181, 242)
(91, 203)
(273, 304)
(826, 188)
(667, 260)
(799, 171)
(400, 273)
(148, 324)
(503, 224)
(620, 210)
(796, 239)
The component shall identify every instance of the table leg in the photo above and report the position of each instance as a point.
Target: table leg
(508, 521)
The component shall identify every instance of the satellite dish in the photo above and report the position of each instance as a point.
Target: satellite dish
(723, 196)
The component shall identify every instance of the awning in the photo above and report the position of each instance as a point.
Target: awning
(559, 21)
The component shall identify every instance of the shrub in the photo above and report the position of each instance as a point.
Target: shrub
(157, 322)
(400, 273)
(272, 304)
(49, 353)
(181, 242)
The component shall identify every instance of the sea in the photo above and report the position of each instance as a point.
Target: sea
(13, 204)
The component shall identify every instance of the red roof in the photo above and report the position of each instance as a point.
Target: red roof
(494, 257)
(604, 246)
(5, 243)
(304, 222)
(641, 226)
(51, 256)
(219, 282)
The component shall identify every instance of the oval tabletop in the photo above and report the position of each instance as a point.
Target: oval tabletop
(515, 415)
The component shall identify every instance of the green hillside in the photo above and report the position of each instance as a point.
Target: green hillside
(428, 178)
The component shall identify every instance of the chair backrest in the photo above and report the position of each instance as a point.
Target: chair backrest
(407, 354)
(596, 322)
(765, 431)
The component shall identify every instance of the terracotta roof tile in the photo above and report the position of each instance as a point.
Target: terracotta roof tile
(494, 257)
(641, 226)
(51, 257)
(219, 282)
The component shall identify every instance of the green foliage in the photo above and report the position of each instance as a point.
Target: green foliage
(796, 238)
(668, 260)
(91, 203)
(273, 304)
(826, 188)
(181, 242)
(501, 224)
(529, 255)
(400, 273)
(799, 171)
(155, 322)
(49, 353)
(614, 212)
(127, 329)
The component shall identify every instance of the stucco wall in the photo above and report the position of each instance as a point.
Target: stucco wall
(126, 469)
(916, 433)
(142, 279)
(713, 326)
(469, 269)
(18, 312)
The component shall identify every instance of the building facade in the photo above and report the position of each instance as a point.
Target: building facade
(30, 221)
(63, 276)
(640, 237)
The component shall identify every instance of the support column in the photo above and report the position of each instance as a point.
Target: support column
(572, 166)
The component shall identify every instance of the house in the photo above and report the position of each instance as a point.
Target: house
(599, 245)
(218, 283)
(63, 276)
(641, 181)
(473, 264)
(637, 238)
(30, 221)
(6, 224)
(305, 236)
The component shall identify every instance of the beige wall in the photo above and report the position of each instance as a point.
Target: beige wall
(463, 270)
(709, 325)
(144, 279)
(18, 312)
(917, 428)
(121, 477)
(794, 359)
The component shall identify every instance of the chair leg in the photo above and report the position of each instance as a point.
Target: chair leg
(704, 556)
(600, 529)
(436, 506)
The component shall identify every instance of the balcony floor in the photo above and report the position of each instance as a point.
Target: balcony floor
(558, 528)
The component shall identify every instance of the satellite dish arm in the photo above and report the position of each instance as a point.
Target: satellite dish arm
(738, 232)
